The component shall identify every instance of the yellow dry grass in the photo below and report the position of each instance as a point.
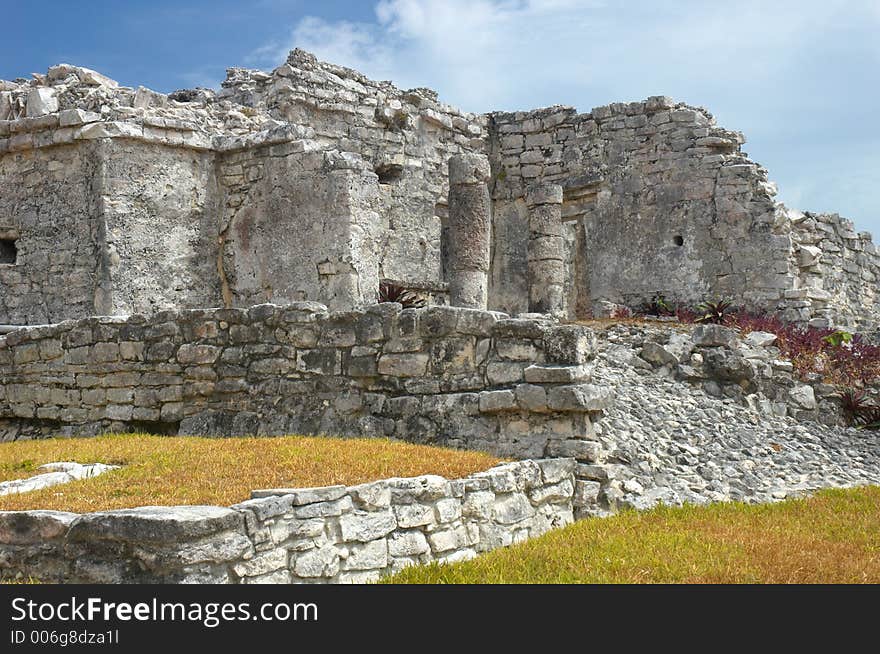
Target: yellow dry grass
(161, 470)
(833, 537)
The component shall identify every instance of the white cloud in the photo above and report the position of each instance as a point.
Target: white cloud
(784, 72)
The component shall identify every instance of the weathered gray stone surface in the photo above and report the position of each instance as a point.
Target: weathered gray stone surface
(290, 536)
(469, 232)
(442, 375)
(546, 249)
(312, 182)
(744, 428)
(54, 474)
(294, 193)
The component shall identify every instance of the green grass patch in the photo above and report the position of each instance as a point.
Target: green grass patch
(832, 537)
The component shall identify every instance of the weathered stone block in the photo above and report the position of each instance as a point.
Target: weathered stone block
(371, 496)
(448, 510)
(555, 470)
(569, 344)
(449, 539)
(582, 450)
(657, 354)
(532, 398)
(155, 524)
(714, 336)
(262, 563)
(323, 509)
(438, 321)
(497, 401)
(407, 543)
(554, 493)
(34, 527)
(586, 493)
(414, 515)
(366, 526)
(403, 365)
(512, 508)
(319, 562)
(520, 328)
(197, 354)
(559, 374)
(323, 361)
(501, 372)
(581, 397)
(803, 397)
(369, 556)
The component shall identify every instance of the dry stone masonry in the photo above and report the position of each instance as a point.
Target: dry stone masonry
(546, 249)
(470, 225)
(334, 534)
(443, 375)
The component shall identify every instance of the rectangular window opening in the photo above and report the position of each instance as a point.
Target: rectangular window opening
(8, 251)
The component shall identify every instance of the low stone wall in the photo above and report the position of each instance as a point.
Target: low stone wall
(441, 375)
(334, 534)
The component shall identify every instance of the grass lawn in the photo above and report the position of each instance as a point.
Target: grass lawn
(162, 470)
(832, 537)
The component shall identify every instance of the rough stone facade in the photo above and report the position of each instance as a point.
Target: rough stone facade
(314, 183)
(285, 199)
(334, 534)
(444, 375)
(839, 272)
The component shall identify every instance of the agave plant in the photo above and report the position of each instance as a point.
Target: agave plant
(868, 417)
(715, 312)
(859, 411)
(391, 292)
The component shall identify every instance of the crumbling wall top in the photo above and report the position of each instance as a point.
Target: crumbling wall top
(88, 104)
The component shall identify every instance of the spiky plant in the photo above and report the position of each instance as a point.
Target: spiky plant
(716, 313)
(859, 411)
(391, 292)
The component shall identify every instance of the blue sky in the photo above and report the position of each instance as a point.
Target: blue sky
(799, 78)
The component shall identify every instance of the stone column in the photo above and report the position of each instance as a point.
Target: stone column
(470, 225)
(546, 249)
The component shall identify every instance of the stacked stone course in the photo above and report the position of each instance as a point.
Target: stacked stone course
(445, 375)
(333, 534)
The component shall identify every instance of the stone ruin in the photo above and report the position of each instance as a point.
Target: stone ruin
(314, 183)
(208, 263)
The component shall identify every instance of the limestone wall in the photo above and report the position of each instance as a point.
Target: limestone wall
(48, 209)
(157, 204)
(138, 218)
(407, 137)
(299, 222)
(839, 272)
(452, 376)
(334, 534)
(313, 182)
(657, 199)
